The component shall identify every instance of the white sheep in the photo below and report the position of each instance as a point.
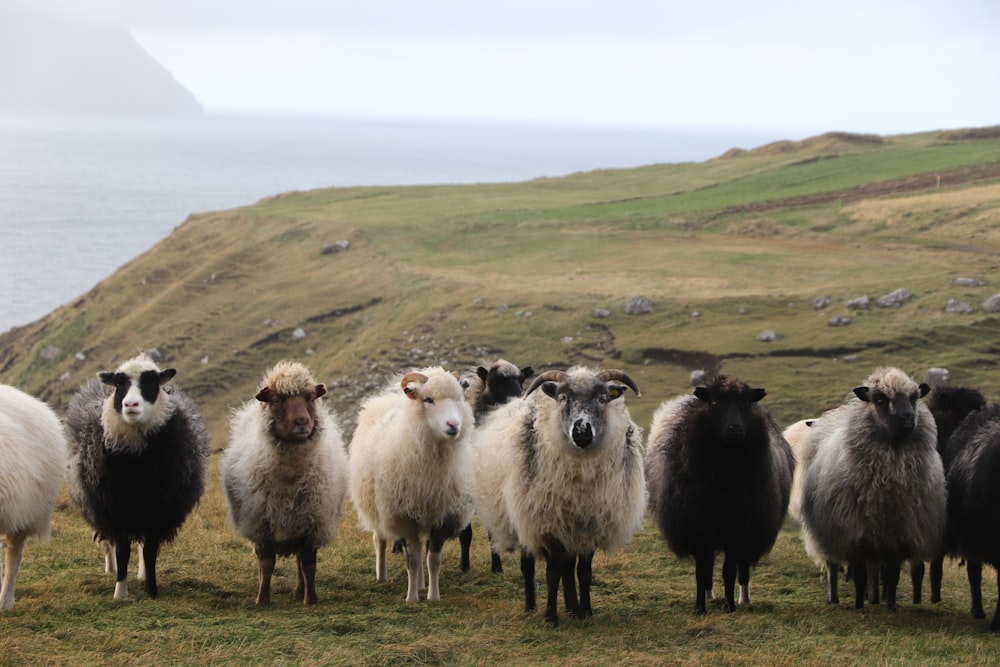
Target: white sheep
(559, 475)
(284, 475)
(874, 489)
(138, 461)
(794, 435)
(411, 471)
(33, 454)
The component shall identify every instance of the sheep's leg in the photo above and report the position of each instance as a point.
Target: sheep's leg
(496, 565)
(12, 563)
(744, 579)
(729, 568)
(937, 576)
(465, 542)
(433, 572)
(528, 574)
(150, 550)
(832, 568)
(995, 624)
(265, 569)
(585, 573)
(553, 577)
(860, 569)
(975, 571)
(122, 552)
(414, 568)
(110, 566)
(568, 569)
(703, 565)
(380, 546)
(874, 573)
(917, 579)
(140, 570)
(890, 574)
(305, 576)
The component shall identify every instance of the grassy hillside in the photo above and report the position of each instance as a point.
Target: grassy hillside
(725, 249)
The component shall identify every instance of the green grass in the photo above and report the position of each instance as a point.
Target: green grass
(457, 274)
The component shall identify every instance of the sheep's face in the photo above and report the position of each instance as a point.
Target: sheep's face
(137, 388)
(440, 401)
(293, 417)
(895, 406)
(582, 407)
(730, 407)
(503, 381)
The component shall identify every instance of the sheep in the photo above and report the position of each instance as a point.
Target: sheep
(284, 475)
(974, 499)
(33, 450)
(719, 474)
(485, 389)
(874, 492)
(138, 461)
(794, 435)
(559, 475)
(410, 471)
(950, 406)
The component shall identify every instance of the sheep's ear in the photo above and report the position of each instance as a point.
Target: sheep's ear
(107, 377)
(924, 389)
(703, 393)
(757, 394)
(526, 373)
(411, 393)
(166, 375)
(862, 392)
(550, 389)
(264, 395)
(616, 391)
(320, 390)
(483, 373)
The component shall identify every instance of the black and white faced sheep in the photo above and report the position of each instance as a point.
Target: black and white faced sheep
(950, 406)
(32, 471)
(974, 499)
(719, 474)
(138, 461)
(492, 386)
(285, 474)
(559, 475)
(411, 471)
(874, 493)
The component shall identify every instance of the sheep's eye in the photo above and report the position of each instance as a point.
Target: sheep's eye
(428, 400)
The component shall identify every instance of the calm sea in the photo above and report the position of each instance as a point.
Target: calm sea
(78, 200)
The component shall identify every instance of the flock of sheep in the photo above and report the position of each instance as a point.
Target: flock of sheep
(556, 470)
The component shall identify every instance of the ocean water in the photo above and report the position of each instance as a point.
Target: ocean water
(80, 199)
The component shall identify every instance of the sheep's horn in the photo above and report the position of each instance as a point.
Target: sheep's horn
(621, 376)
(413, 377)
(547, 376)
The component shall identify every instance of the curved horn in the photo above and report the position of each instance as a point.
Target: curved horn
(547, 376)
(621, 376)
(413, 377)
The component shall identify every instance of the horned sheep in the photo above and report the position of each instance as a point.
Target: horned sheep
(33, 451)
(138, 461)
(719, 473)
(874, 492)
(411, 471)
(559, 475)
(284, 475)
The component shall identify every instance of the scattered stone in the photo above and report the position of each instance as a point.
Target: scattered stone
(937, 377)
(638, 305)
(767, 336)
(839, 321)
(821, 302)
(850, 358)
(894, 299)
(478, 301)
(601, 313)
(742, 310)
(859, 303)
(335, 247)
(80, 356)
(204, 360)
(566, 339)
(956, 306)
(298, 334)
(698, 377)
(969, 282)
(696, 314)
(992, 304)
(50, 352)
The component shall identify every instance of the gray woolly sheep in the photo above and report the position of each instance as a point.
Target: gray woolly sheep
(974, 500)
(33, 452)
(284, 475)
(485, 389)
(559, 475)
(411, 471)
(138, 461)
(874, 492)
(719, 475)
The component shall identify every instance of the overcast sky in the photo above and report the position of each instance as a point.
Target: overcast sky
(887, 67)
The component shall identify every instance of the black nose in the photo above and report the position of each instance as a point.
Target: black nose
(583, 435)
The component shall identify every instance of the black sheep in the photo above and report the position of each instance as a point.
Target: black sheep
(719, 474)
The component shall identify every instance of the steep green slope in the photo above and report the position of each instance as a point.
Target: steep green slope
(725, 249)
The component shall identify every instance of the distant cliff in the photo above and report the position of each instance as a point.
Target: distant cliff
(63, 65)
